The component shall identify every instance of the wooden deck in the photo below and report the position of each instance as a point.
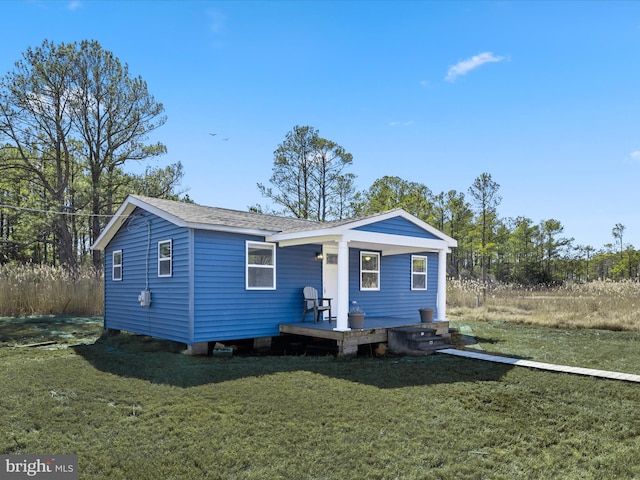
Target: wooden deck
(375, 331)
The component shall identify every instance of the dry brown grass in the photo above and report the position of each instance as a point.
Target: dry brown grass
(44, 290)
(599, 305)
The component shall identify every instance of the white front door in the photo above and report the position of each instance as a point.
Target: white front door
(330, 278)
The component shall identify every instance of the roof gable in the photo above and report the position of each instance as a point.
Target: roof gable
(193, 214)
(398, 226)
(190, 215)
(398, 222)
(392, 227)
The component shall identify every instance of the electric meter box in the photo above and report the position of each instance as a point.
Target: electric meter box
(145, 298)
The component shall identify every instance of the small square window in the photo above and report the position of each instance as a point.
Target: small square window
(261, 266)
(369, 271)
(418, 272)
(165, 257)
(116, 267)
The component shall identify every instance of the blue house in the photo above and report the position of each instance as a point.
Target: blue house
(197, 274)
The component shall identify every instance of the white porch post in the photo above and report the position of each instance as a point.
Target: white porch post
(342, 321)
(442, 284)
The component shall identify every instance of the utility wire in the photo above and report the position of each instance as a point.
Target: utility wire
(53, 212)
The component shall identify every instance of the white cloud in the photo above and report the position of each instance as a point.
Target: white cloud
(401, 124)
(217, 21)
(217, 28)
(465, 66)
(74, 5)
(634, 157)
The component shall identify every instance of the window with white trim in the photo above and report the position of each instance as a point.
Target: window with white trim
(116, 266)
(418, 272)
(369, 271)
(165, 258)
(261, 266)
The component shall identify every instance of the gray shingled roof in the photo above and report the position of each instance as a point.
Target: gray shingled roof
(214, 218)
(194, 214)
(333, 223)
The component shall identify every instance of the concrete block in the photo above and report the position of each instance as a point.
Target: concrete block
(198, 348)
(262, 344)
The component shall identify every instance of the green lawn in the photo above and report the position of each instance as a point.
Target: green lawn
(133, 409)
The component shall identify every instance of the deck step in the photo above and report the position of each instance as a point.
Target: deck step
(428, 350)
(426, 341)
(416, 341)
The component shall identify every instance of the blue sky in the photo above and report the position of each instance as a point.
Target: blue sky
(544, 96)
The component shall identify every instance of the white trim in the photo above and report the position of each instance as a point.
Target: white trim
(272, 267)
(343, 230)
(113, 266)
(330, 277)
(386, 244)
(342, 319)
(426, 268)
(395, 240)
(377, 272)
(113, 226)
(349, 232)
(302, 239)
(442, 285)
(164, 259)
(130, 204)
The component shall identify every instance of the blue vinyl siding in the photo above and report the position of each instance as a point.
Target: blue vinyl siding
(168, 316)
(224, 309)
(397, 226)
(206, 298)
(395, 297)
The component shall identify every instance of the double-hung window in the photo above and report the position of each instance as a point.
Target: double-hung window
(165, 258)
(418, 272)
(261, 266)
(116, 266)
(369, 271)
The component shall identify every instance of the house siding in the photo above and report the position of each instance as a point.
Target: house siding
(206, 298)
(168, 315)
(397, 226)
(224, 309)
(395, 297)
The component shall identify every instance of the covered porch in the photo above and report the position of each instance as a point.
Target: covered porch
(376, 330)
(383, 237)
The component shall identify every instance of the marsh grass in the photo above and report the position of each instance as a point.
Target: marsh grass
(130, 409)
(595, 305)
(44, 290)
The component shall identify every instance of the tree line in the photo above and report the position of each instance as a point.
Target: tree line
(71, 118)
(310, 180)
